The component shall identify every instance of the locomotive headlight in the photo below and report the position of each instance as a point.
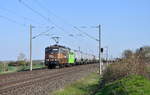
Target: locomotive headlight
(55, 59)
(51, 56)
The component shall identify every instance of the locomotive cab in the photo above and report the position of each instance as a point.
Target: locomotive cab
(56, 55)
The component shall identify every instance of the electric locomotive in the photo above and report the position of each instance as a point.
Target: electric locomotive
(57, 55)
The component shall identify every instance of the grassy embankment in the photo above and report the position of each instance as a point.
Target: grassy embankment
(117, 83)
(131, 85)
(126, 79)
(85, 86)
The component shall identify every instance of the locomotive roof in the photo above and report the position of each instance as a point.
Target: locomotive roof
(58, 46)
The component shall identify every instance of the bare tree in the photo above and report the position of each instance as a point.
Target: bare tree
(127, 54)
(144, 54)
(21, 59)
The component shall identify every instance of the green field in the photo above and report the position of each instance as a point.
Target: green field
(85, 86)
(11, 69)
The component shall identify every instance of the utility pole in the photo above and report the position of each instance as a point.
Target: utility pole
(79, 49)
(31, 47)
(100, 65)
(107, 53)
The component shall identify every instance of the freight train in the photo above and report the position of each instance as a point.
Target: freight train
(61, 56)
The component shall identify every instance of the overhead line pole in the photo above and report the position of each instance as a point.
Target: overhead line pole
(100, 65)
(107, 53)
(31, 38)
(31, 47)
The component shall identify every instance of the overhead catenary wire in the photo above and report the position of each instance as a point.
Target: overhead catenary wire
(42, 33)
(12, 20)
(68, 23)
(49, 11)
(41, 15)
(44, 17)
(52, 13)
(86, 34)
(15, 13)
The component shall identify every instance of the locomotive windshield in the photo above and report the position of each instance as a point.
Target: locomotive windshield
(52, 50)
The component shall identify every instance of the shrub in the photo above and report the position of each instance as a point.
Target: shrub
(3, 67)
(18, 63)
(115, 71)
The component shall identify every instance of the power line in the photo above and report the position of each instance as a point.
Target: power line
(42, 33)
(11, 20)
(76, 28)
(86, 34)
(41, 15)
(49, 11)
(15, 13)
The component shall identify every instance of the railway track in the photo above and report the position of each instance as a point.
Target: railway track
(17, 75)
(50, 77)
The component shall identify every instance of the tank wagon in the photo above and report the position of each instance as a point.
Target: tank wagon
(58, 55)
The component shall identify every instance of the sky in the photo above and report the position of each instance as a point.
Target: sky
(125, 24)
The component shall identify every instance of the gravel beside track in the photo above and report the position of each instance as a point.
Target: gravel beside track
(42, 82)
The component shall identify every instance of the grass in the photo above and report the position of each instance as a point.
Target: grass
(35, 66)
(132, 85)
(12, 69)
(85, 86)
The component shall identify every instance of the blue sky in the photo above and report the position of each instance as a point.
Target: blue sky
(125, 25)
